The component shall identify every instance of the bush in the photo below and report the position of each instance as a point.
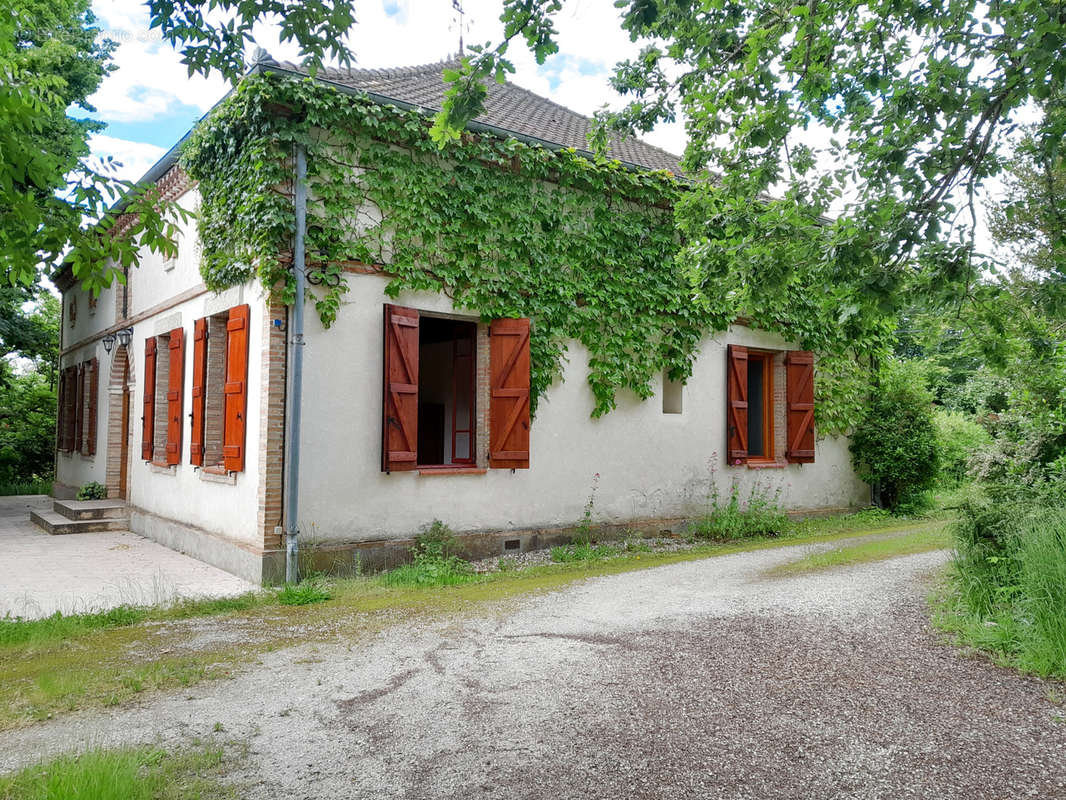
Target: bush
(894, 445)
(435, 561)
(958, 437)
(92, 491)
(1010, 582)
(737, 518)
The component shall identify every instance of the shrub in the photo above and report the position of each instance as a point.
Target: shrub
(757, 515)
(92, 491)
(959, 437)
(894, 445)
(435, 561)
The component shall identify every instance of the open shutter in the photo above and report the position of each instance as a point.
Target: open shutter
(148, 413)
(236, 388)
(399, 436)
(79, 409)
(799, 365)
(175, 393)
(509, 394)
(94, 391)
(199, 378)
(737, 403)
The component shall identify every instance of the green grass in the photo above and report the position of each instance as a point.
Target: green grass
(1011, 601)
(311, 590)
(26, 487)
(136, 773)
(59, 626)
(935, 537)
(62, 664)
(582, 551)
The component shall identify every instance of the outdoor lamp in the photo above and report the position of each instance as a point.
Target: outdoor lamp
(109, 342)
(124, 336)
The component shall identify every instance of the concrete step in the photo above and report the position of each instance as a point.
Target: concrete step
(92, 509)
(56, 524)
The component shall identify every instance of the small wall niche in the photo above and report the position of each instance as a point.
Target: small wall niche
(672, 395)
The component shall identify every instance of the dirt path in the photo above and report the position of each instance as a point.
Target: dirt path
(700, 679)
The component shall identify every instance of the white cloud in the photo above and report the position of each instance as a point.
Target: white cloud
(133, 158)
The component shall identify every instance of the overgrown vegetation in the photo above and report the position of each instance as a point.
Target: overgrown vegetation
(488, 222)
(435, 561)
(309, 590)
(133, 773)
(1008, 584)
(739, 517)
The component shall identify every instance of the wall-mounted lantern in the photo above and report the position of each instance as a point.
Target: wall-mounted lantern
(109, 342)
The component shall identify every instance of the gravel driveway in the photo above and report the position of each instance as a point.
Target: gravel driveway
(696, 680)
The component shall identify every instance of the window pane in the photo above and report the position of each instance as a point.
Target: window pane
(756, 374)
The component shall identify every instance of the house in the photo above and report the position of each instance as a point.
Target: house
(179, 397)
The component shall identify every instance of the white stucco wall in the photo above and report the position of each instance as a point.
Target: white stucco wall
(157, 279)
(650, 464)
(181, 492)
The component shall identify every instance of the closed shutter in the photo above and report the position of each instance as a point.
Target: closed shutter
(66, 407)
(175, 394)
(509, 394)
(94, 391)
(79, 410)
(148, 412)
(399, 427)
(199, 379)
(799, 365)
(737, 403)
(236, 389)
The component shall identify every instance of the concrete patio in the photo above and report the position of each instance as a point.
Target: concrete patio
(41, 574)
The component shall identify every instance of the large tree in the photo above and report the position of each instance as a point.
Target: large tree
(848, 139)
(54, 203)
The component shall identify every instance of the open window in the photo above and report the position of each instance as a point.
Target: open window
(765, 426)
(432, 372)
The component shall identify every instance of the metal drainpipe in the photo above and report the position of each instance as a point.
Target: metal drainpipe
(296, 374)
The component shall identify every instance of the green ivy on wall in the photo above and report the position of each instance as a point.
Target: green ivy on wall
(586, 249)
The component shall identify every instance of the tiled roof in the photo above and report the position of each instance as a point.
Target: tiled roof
(507, 106)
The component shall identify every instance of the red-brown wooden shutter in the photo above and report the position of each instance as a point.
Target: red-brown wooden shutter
(148, 418)
(236, 388)
(79, 409)
(175, 394)
(64, 437)
(94, 391)
(199, 379)
(737, 403)
(509, 394)
(799, 366)
(399, 426)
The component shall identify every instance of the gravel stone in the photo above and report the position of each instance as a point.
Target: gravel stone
(702, 679)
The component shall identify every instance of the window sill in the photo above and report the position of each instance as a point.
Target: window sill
(767, 464)
(452, 470)
(163, 469)
(217, 475)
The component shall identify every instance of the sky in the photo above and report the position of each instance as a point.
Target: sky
(149, 102)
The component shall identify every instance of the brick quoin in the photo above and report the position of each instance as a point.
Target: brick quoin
(271, 426)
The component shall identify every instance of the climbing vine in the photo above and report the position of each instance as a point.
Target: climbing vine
(586, 249)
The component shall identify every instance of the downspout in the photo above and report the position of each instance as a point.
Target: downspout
(295, 376)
